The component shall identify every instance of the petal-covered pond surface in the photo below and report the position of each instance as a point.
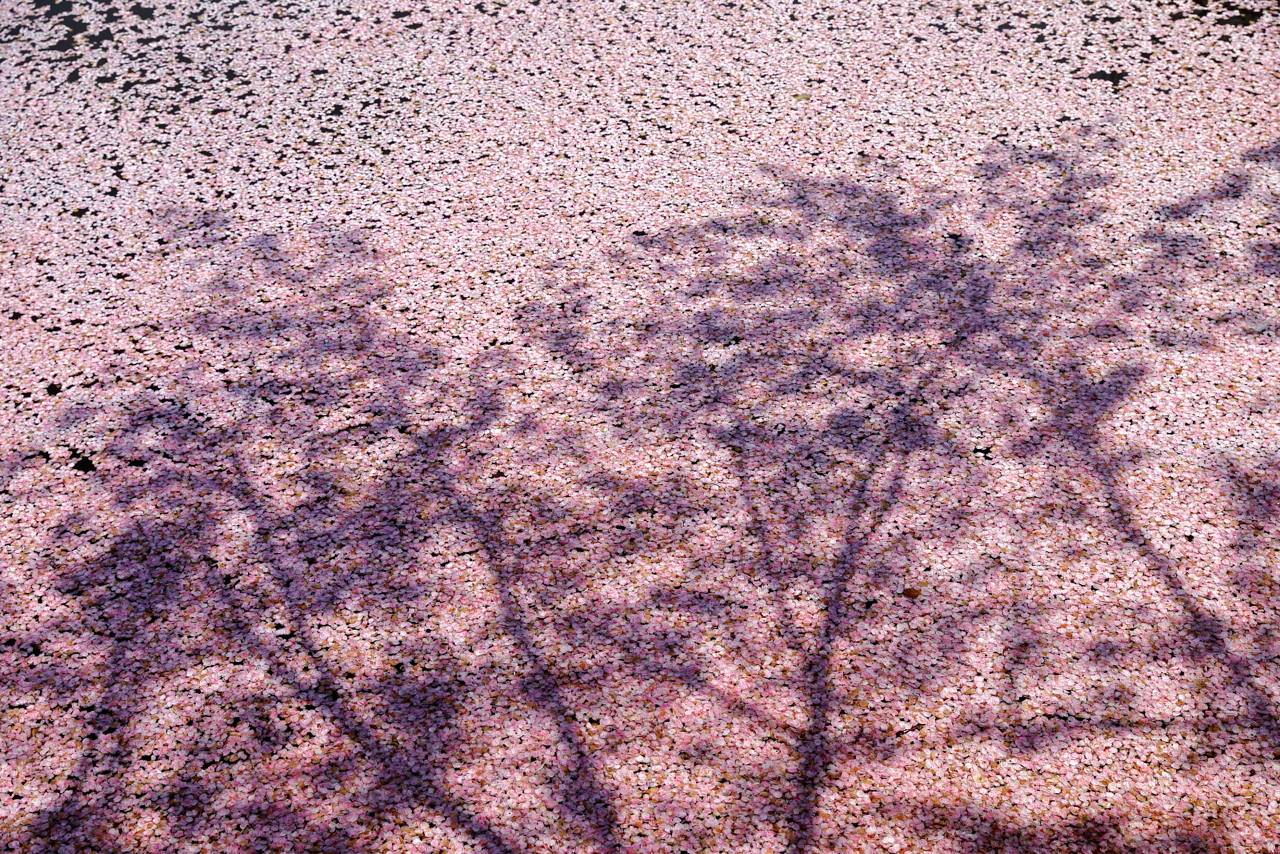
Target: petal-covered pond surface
(612, 426)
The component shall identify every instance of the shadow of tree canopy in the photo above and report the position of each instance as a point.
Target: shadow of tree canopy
(823, 523)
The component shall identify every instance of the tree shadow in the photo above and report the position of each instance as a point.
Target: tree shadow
(802, 492)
